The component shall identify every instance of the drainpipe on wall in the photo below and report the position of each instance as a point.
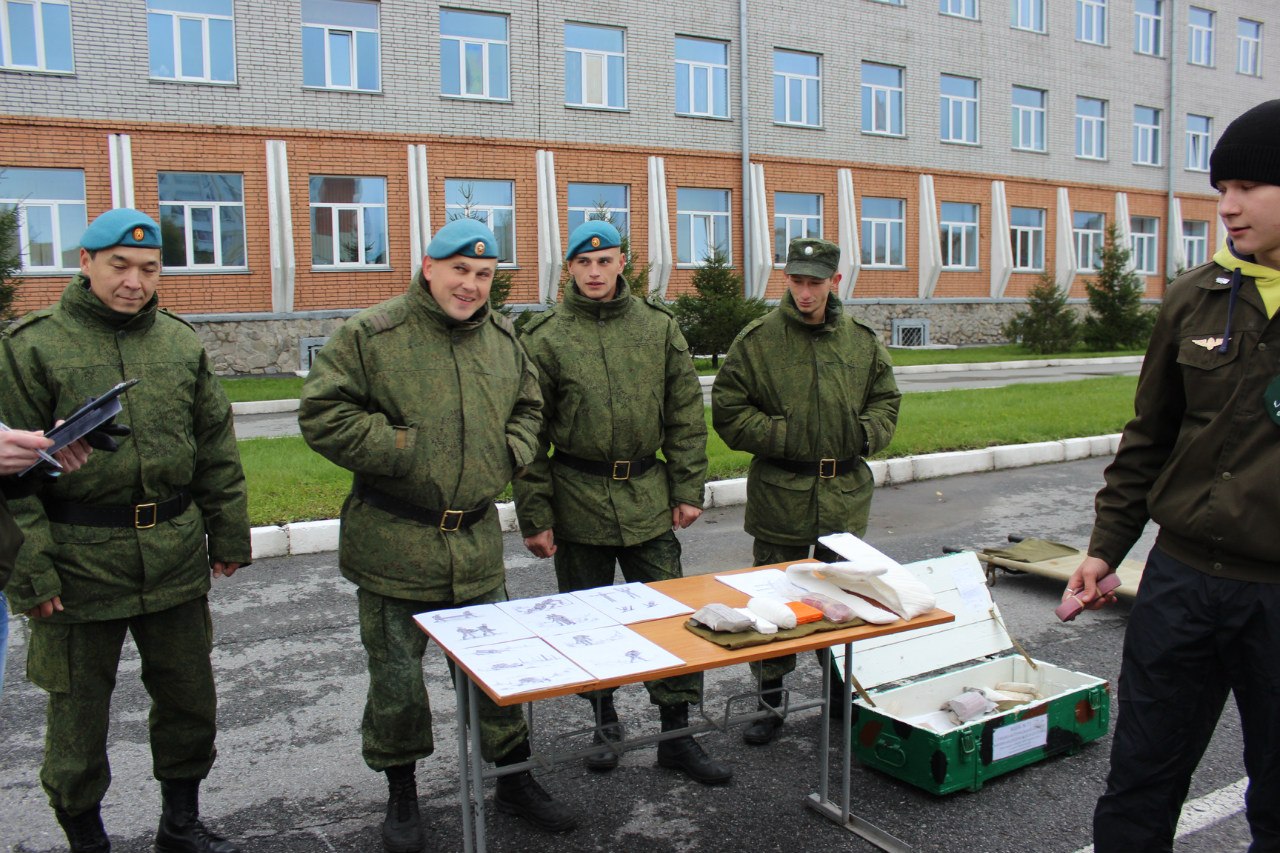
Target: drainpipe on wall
(1170, 237)
(744, 113)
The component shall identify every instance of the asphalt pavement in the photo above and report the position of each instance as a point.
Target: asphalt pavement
(291, 674)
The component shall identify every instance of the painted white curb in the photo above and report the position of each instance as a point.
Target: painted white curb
(310, 537)
(264, 407)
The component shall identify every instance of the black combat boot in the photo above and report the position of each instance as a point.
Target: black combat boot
(85, 833)
(684, 753)
(765, 729)
(180, 828)
(608, 730)
(521, 795)
(402, 828)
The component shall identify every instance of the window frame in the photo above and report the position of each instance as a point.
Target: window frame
(1030, 237)
(949, 229)
(1199, 144)
(787, 78)
(1034, 10)
(1094, 237)
(59, 246)
(692, 66)
(1147, 137)
(486, 45)
(1195, 246)
(1144, 245)
(967, 9)
(216, 208)
(1148, 29)
(206, 39)
(328, 31)
(1092, 128)
(1249, 48)
(38, 26)
(894, 98)
(611, 213)
(336, 209)
(1200, 39)
(889, 232)
(685, 218)
(802, 221)
(966, 107)
(1037, 115)
(1091, 22)
(454, 211)
(603, 56)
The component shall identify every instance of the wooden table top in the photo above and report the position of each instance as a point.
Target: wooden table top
(699, 654)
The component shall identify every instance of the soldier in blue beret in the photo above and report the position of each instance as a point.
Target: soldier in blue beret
(432, 403)
(129, 544)
(618, 385)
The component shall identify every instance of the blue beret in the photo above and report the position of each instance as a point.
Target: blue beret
(465, 236)
(123, 226)
(592, 235)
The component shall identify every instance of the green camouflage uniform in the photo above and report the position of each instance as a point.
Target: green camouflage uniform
(10, 542)
(619, 384)
(151, 582)
(439, 414)
(791, 390)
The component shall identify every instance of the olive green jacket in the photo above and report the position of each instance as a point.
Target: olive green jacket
(619, 383)
(53, 360)
(1201, 455)
(10, 542)
(432, 411)
(794, 391)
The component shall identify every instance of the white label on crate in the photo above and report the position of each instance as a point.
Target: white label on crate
(976, 599)
(1019, 737)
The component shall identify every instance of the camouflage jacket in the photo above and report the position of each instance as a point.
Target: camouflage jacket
(618, 383)
(10, 542)
(53, 360)
(793, 391)
(432, 411)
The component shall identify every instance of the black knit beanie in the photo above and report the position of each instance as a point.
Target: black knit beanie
(1249, 149)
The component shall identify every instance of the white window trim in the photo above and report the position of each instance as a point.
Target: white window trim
(610, 213)
(38, 15)
(805, 80)
(1037, 116)
(1195, 246)
(352, 55)
(1088, 238)
(956, 9)
(895, 99)
(1148, 32)
(484, 44)
(175, 20)
(1149, 241)
(796, 225)
(1200, 40)
(1094, 14)
(709, 67)
(1146, 139)
(970, 108)
(1198, 148)
(450, 210)
(969, 246)
(24, 237)
(882, 232)
(684, 218)
(1026, 22)
(1094, 129)
(1032, 236)
(602, 57)
(1249, 51)
(217, 206)
(360, 208)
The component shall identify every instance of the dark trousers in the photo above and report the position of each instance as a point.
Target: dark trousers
(1191, 639)
(580, 566)
(77, 663)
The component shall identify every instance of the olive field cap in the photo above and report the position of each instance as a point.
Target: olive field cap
(812, 257)
(123, 226)
(468, 237)
(592, 235)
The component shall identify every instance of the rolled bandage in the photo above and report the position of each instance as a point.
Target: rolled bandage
(761, 626)
(773, 611)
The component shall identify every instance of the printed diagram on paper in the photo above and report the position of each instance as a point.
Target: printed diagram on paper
(478, 625)
(555, 614)
(632, 602)
(766, 583)
(520, 666)
(614, 652)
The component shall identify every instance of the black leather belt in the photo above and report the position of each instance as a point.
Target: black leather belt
(447, 520)
(824, 468)
(623, 469)
(141, 516)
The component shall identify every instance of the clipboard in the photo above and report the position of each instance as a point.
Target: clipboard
(85, 420)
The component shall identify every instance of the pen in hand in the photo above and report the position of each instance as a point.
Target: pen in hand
(57, 466)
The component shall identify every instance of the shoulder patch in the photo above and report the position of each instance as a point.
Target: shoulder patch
(181, 320)
(655, 301)
(537, 320)
(383, 317)
(753, 325)
(858, 321)
(26, 321)
(503, 322)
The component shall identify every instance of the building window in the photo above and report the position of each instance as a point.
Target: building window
(1249, 47)
(1028, 15)
(1091, 21)
(1026, 236)
(881, 99)
(340, 45)
(1088, 229)
(1028, 119)
(595, 67)
(202, 219)
(192, 40)
(1144, 232)
(702, 225)
(1195, 242)
(1146, 136)
(959, 115)
(958, 233)
(1148, 27)
(797, 88)
(1199, 134)
(348, 221)
(702, 77)
(51, 216)
(35, 35)
(959, 8)
(473, 55)
(610, 202)
(1091, 128)
(794, 215)
(490, 202)
(1200, 34)
(884, 226)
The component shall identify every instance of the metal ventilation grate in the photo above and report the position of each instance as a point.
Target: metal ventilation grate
(910, 333)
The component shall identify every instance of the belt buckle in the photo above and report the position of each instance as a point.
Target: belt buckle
(137, 516)
(625, 467)
(826, 468)
(456, 515)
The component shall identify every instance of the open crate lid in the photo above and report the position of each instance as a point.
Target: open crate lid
(958, 582)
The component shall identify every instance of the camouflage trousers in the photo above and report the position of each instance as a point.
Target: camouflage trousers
(77, 662)
(396, 728)
(766, 554)
(580, 566)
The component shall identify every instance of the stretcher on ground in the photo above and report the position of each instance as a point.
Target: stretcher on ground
(1050, 559)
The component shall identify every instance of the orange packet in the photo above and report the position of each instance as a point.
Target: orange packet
(804, 613)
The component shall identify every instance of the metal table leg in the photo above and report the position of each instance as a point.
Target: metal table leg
(460, 687)
(477, 762)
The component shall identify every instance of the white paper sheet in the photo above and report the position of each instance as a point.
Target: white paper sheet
(521, 666)
(856, 551)
(614, 652)
(555, 614)
(768, 583)
(478, 625)
(630, 603)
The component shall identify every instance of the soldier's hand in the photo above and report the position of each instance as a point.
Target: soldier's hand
(541, 544)
(74, 455)
(223, 570)
(1083, 583)
(18, 450)
(46, 608)
(682, 515)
